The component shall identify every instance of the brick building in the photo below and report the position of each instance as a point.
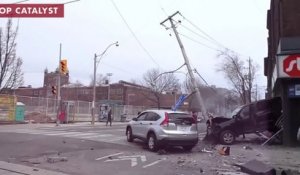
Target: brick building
(122, 93)
(283, 43)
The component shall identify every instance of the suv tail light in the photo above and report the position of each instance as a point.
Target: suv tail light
(165, 122)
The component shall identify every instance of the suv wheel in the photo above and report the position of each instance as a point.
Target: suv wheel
(227, 137)
(129, 135)
(152, 142)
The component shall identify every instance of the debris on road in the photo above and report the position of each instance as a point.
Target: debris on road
(201, 170)
(248, 148)
(256, 167)
(162, 152)
(224, 151)
(204, 150)
(56, 159)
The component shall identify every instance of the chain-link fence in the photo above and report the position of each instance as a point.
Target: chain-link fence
(45, 110)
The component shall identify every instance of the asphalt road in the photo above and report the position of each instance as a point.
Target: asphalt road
(84, 149)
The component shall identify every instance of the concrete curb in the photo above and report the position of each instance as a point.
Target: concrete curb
(25, 170)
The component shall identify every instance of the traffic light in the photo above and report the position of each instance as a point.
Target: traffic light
(63, 67)
(54, 91)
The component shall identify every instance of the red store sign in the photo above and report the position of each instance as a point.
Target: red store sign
(289, 66)
(31, 10)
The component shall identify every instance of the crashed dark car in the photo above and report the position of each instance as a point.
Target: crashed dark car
(255, 117)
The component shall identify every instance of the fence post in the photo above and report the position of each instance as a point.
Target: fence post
(46, 107)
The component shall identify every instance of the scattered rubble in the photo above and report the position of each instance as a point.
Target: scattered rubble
(256, 167)
(224, 151)
(204, 150)
(162, 152)
(248, 148)
(55, 159)
(201, 170)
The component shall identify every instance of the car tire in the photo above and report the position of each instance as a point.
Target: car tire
(152, 142)
(188, 148)
(227, 137)
(129, 135)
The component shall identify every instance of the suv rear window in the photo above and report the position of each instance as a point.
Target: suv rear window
(180, 118)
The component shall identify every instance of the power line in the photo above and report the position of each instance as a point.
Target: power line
(117, 68)
(195, 70)
(169, 72)
(211, 38)
(202, 31)
(201, 36)
(133, 34)
(198, 42)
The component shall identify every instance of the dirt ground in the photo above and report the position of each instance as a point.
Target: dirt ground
(36, 117)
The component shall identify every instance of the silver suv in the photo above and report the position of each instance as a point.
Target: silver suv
(163, 127)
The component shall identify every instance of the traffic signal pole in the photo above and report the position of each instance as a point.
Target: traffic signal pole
(187, 63)
(58, 87)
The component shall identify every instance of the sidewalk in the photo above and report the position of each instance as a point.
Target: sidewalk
(16, 169)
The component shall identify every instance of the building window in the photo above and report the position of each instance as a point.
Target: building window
(118, 91)
(36, 93)
(85, 92)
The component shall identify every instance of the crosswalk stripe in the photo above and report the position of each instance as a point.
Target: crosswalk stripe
(93, 136)
(98, 135)
(81, 135)
(62, 133)
(116, 139)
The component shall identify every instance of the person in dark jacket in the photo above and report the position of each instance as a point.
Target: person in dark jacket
(109, 117)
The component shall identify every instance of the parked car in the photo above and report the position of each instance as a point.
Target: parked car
(255, 117)
(160, 128)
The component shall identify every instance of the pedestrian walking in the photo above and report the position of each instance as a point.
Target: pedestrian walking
(109, 117)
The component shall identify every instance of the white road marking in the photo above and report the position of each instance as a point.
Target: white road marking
(109, 156)
(154, 163)
(133, 161)
(143, 158)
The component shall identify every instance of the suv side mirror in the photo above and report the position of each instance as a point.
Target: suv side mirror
(134, 119)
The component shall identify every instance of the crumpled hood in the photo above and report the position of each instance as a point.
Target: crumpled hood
(220, 119)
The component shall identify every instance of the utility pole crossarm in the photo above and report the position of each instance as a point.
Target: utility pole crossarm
(169, 18)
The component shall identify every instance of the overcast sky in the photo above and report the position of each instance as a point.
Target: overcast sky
(89, 26)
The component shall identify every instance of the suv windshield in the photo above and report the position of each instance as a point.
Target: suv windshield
(236, 111)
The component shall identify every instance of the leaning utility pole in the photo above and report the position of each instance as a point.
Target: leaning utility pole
(187, 63)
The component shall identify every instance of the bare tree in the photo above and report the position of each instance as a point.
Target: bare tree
(240, 74)
(158, 83)
(101, 79)
(11, 75)
(188, 86)
(76, 84)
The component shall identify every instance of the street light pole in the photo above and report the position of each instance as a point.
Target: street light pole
(95, 77)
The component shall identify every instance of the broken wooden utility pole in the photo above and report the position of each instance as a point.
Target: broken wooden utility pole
(187, 63)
